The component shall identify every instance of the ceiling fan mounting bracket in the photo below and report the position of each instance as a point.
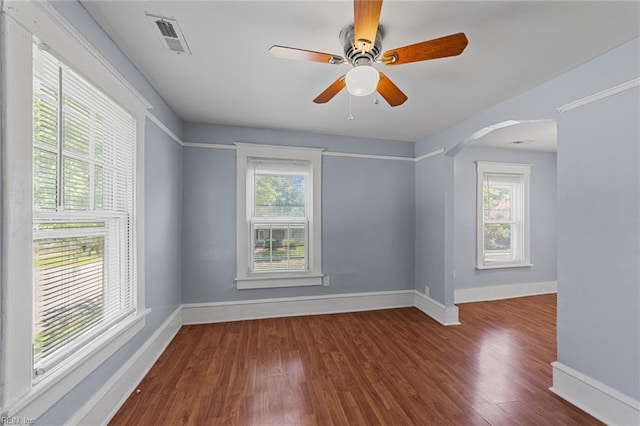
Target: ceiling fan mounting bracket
(363, 45)
(362, 60)
(355, 53)
(390, 58)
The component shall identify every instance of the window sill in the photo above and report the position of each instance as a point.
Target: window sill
(274, 281)
(504, 266)
(46, 392)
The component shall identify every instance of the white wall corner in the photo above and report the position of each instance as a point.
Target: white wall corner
(204, 313)
(106, 402)
(508, 291)
(601, 401)
(445, 315)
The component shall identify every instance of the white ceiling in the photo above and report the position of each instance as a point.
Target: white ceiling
(539, 135)
(231, 78)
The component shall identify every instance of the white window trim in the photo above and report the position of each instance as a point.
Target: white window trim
(313, 277)
(483, 167)
(22, 24)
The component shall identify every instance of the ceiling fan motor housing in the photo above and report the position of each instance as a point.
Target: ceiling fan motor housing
(356, 57)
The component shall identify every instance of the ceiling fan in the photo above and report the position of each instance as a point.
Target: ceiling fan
(362, 42)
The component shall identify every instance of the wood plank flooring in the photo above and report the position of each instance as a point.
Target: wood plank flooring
(387, 367)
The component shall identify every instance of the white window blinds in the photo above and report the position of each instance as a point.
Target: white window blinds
(83, 209)
(279, 200)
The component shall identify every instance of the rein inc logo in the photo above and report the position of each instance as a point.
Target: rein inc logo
(16, 421)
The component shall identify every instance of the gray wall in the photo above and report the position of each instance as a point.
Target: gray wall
(599, 241)
(367, 215)
(598, 312)
(543, 218)
(539, 103)
(429, 226)
(163, 219)
(610, 353)
(163, 193)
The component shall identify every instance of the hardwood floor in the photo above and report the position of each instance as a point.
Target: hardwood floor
(391, 367)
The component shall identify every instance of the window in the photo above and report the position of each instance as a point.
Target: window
(503, 215)
(83, 206)
(278, 229)
(279, 220)
(73, 200)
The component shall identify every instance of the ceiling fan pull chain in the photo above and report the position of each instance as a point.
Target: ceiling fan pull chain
(350, 116)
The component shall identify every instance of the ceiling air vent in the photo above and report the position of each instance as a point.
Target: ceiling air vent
(170, 34)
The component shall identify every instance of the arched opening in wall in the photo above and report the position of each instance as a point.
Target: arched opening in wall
(504, 199)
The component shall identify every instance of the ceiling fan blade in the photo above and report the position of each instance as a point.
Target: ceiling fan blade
(390, 91)
(451, 45)
(331, 91)
(284, 52)
(366, 16)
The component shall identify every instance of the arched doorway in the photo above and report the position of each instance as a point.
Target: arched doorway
(532, 142)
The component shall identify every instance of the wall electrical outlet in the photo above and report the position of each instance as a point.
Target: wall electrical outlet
(326, 281)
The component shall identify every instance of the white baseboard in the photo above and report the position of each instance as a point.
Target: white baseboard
(203, 313)
(445, 315)
(597, 399)
(601, 401)
(508, 291)
(106, 402)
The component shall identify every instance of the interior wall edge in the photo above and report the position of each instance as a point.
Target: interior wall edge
(445, 315)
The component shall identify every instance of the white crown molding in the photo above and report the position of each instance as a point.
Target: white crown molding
(599, 95)
(445, 315)
(324, 153)
(601, 401)
(267, 147)
(507, 291)
(429, 154)
(204, 313)
(106, 402)
(209, 145)
(369, 156)
(164, 128)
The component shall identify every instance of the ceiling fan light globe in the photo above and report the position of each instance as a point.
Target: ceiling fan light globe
(362, 80)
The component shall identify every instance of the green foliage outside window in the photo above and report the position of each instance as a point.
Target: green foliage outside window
(279, 196)
(78, 257)
(497, 206)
